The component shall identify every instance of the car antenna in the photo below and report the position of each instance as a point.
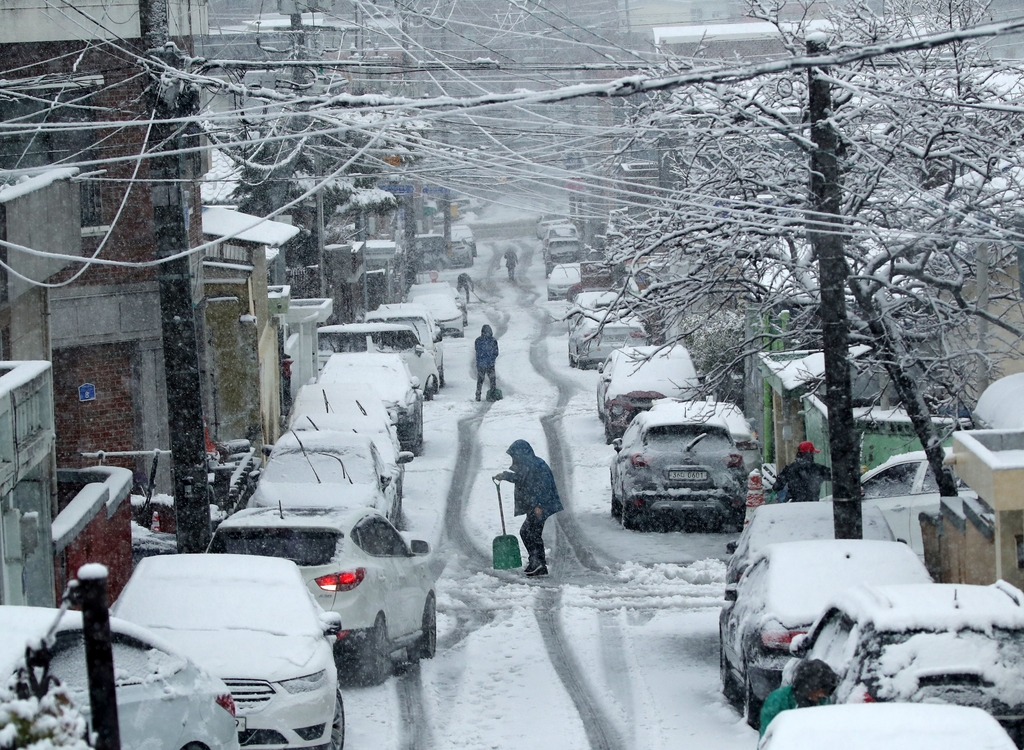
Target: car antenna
(312, 423)
(956, 603)
(306, 456)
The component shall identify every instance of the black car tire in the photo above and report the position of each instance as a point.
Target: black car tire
(338, 725)
(729, 687)
(374, 656)
(426, 646)
(609, 438)
(751, 703)
(440, 376)
(616, 506)
(572, 362)
(633, 520)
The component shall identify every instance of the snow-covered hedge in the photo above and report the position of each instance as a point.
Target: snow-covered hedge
(39, 723)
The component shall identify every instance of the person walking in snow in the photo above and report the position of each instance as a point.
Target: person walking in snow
(800, 481)
(511, 260)
(537, 496)
(814, 682)
(465, 284)
(486, 356)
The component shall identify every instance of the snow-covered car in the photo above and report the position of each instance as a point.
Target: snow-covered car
(352, 407)
(398, 389)
(549, 220)
(357, 564)
(633, 377)
(668, 466)
(419, 318)
(904, 487)
(885, 726)
(562, 278)
(588, 304)
(326, 469)
(794, 522)
(561, 250)
(780, 596)
(559, 231)
(463, 234)
(431, 251)
(934, 643)
(165, 701)
(253, 623)
(388, 338)
(439, 287)
(591, 340)
(446, 313)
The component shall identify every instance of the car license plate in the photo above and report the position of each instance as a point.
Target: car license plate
(689, 474)
(239, 723)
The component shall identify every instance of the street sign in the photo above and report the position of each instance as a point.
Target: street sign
(398, 189)
(436, 190)
(87, 392)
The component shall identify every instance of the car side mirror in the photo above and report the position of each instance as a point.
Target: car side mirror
(267, 450)
(419, 547)
(617, 444)
(419, 350)
(385, 482)
(730, 592)
(600, 368)
(730, 548)
(415, 381)
(405, 457)
(800, 645)
(330, 623)
(438, 337)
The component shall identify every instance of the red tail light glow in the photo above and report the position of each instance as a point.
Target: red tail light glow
(226, 702)
(344, 581)
(734, 461)
(638, 460)
(779, 639)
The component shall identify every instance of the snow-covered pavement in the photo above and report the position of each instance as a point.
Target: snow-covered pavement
(618, 647)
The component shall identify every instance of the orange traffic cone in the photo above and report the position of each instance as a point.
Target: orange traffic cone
(154, 525)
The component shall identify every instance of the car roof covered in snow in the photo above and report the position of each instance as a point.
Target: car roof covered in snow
(441, 305)
(325, 442)
(305, 518)
(669, 414)
(700, 410)
(365, 327)
(595, 300)
(886, 726)
(399, 310)
(346, 399)
(665, 370)
(387, 373)
(434, 287)
(461, 232)
(570, 271)
(804, 576)
(793, 522)
(1001, 405)
(935, 606)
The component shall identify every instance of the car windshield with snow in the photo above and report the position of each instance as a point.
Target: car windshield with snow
(386, 338)
(592, 339)
(420, 319)
(781, 595)
(935, 643)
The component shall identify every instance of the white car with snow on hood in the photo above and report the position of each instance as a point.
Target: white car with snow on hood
(563, 277)
(591, 340)
(438, 287)
(356, 564)
(165, 701)
(885, 726)
(253, 623)
(948, 643)
(633, 377)
(781, 595)
(326, 469)
(387, 338)
(446, 313)
(419, 318)
(399, 389)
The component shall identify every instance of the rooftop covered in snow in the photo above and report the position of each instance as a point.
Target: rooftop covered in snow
(235, 225)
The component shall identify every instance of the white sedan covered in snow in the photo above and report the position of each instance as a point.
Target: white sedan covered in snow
(934, 643)
(356, 564)
(445, 311)
(881, 726)
(781, 595)
(326, 469)
(165, 701)
(563, 277)
(253, 623)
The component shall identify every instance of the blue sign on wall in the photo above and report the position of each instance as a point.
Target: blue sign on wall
(86, 392)
(398, 189)
(436, 190)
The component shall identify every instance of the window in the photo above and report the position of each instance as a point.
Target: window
(377, 537)
(893, 482)
(134, 662)
(678, 437)
(301, 546)
(342, 343)
(833, 637)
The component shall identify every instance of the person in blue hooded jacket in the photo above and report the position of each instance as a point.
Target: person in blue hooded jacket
(486, 347)
(537, 496)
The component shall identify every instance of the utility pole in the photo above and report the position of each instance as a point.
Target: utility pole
(90, 593)
(827, 241)
(170, 100)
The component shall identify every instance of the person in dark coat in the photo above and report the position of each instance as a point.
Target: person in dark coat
(802, 479)
(814, 682)
(536, 496)
(511, 260)
(465, 284)
(486, 356)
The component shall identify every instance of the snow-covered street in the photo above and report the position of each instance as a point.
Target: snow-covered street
(618, 647)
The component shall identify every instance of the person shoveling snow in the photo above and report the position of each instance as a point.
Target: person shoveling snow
(536, 496)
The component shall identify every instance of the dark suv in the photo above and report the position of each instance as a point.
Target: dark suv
(669, 465)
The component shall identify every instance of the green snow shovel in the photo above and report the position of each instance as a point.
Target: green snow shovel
(505, 548)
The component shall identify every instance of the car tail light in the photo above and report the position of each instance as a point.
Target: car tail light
(638, 460)
(637, 334)
(747, 445)
(226, 702)
(779, 639)
(344, 581)
(734, 461)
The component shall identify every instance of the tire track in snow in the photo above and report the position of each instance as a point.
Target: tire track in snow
(416, 734)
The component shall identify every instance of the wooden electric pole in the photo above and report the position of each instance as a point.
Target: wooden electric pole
(826, 236)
